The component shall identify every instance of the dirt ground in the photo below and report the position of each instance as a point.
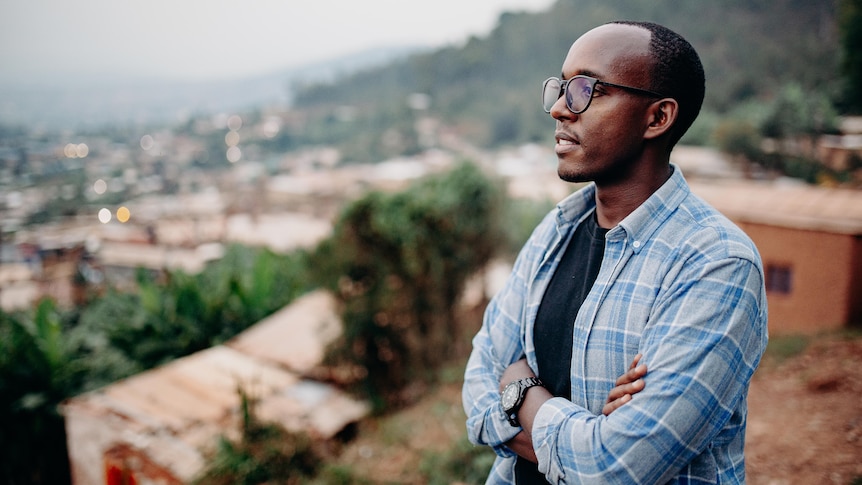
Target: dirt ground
(805, 423)
(805, 416)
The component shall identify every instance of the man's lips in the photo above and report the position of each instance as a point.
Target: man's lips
(565, 140)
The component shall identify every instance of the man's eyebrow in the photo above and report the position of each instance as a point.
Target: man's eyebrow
(583, 72)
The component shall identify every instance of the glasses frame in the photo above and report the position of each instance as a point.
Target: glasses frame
(564, 86)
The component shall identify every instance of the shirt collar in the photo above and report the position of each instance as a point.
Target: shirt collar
(638, 226)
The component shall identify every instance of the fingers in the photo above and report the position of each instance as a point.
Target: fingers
(631, 382)
(631, 375)
(629, 388)
(615, 404)
(622, 394)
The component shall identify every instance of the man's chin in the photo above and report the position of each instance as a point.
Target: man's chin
(573, 177)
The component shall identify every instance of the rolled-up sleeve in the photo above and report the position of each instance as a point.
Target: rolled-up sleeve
(495, 346)
(500, 342)
(679, 284)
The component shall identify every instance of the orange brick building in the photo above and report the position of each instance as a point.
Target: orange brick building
(810, 240)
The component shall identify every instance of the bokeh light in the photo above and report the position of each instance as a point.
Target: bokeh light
(233, 154)
(271, 127)
(231, 139)
(104, 215)
(72, 150)
(234, 123)
(147, 142)
(123, 214)
(100, 186)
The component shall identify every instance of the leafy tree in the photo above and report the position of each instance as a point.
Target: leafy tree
(247, 285)
(850, 24)
(47, 356)
(398, 263)
(522, 216)
(487, 89)
(739, 138)
(188, 313)
(797, 111)
(34, 379)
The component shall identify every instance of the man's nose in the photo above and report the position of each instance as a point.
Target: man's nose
(559, 110)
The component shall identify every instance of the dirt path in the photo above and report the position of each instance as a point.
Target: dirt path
(805, 423)
(805, 417)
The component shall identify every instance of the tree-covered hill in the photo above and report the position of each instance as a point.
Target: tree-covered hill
(489, 87)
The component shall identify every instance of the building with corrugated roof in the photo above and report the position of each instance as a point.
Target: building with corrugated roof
(810, 240)
(158, 426)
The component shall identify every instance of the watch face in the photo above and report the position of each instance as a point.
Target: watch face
(510, 395)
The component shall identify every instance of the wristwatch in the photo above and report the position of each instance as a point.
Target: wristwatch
(513, 396)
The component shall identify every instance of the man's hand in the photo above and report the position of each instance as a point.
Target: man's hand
(522, 443)
(627, 384)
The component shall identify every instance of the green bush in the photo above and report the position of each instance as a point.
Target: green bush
(398, 264)
(266, 453)
(48, 355)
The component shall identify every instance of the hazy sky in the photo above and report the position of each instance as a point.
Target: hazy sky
(206, 39)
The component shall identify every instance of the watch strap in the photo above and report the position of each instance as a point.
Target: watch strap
(523, 385)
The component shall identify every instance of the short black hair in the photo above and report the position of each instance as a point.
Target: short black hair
(676, 73)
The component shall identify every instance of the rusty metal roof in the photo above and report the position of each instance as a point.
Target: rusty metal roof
(295, 336)
(791, 205)
(175, 411)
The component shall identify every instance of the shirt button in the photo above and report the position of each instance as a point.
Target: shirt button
(636, 244)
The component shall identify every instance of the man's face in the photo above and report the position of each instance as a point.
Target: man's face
(603, 143)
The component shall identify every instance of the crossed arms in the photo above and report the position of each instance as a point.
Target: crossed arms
(702, 347)
(628, 384)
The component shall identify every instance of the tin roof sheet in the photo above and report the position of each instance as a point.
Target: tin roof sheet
(787, 205)
(188, 403)
(295, 336)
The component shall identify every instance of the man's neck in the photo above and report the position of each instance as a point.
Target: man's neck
(614, 202)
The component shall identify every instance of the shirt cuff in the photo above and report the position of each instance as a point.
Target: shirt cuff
(504, 432)
(545, 432)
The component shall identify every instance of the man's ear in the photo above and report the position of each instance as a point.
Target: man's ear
(662, 116)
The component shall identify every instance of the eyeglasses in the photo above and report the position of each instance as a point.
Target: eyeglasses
(579, 92)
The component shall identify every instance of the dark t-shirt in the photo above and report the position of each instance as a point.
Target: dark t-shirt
(554, 327)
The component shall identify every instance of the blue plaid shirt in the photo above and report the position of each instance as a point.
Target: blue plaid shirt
(680, 284)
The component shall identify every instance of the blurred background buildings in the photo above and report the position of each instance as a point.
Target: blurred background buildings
(109, 184)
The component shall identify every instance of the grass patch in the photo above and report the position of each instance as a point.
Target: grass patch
(782, 348)
(338, 475)
(464, 463)
(452, 373)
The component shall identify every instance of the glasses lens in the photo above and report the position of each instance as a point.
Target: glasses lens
(578, 93)
(550, 93)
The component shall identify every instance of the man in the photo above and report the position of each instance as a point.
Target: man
(633, 264)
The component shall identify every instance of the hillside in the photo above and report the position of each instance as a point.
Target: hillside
(804, 426)
(488, 89)
(485, 90)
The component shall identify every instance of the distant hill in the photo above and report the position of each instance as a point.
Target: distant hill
(486, 89)
(88, 103)
(489, 88)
